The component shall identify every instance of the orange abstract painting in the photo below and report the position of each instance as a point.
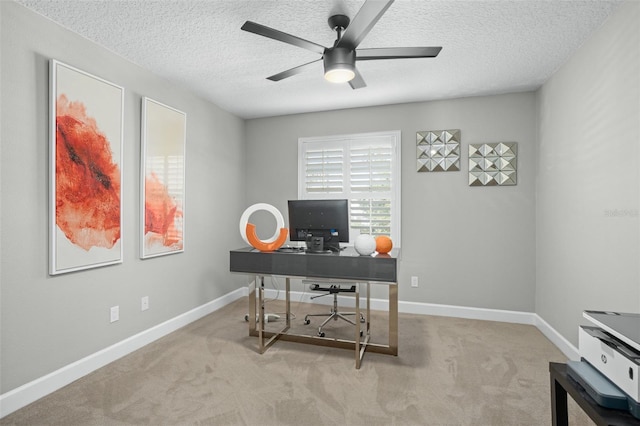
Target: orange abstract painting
(87, 179)
(163, 171)
(86, 173)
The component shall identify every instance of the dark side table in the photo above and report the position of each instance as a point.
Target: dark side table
(562, 384)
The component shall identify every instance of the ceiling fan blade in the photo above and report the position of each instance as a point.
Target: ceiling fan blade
(259, 29)
(293, 71)
(397, 53)
(357, 82)
(370, 12)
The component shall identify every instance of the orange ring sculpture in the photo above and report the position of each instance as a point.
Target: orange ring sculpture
(261, 245)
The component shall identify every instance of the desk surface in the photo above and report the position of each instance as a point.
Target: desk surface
(346, 264)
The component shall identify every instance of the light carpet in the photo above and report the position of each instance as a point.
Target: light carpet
(449, 371)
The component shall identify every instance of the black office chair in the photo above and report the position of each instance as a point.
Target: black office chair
(334, 289)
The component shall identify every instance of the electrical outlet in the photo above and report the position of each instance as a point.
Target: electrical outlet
(144, 303)
(115, 313)
(414, 281)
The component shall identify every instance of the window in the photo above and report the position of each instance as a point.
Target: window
(363, 168)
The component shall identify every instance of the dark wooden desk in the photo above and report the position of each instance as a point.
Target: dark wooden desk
(561, 384)
(346, 265)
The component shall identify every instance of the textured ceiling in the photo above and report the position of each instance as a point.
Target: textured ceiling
(489, 47)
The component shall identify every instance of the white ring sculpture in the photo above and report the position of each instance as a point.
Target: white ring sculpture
(244, 219)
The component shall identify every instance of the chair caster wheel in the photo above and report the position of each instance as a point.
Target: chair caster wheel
(321, 333)
(307, 321)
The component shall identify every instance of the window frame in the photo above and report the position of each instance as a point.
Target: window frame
(393, 137)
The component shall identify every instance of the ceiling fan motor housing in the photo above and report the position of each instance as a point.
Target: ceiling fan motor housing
(339, 57)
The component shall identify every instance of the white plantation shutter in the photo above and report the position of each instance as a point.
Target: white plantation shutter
(363, 168)
(324, 170)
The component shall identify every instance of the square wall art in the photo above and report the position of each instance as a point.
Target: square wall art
(492, 164)
(438, 150)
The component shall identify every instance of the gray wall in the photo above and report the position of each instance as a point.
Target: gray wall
(469, 246)
(588, 250)
(565, 239)
(49, 322)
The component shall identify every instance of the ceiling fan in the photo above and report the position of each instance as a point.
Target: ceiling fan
(340, 60)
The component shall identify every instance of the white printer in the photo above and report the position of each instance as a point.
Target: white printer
(612, 346)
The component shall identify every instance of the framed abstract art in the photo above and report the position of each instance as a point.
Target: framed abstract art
(162, 179)
(85, 148)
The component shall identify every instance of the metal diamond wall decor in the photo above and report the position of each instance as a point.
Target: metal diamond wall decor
(492, 164)
(438, 150)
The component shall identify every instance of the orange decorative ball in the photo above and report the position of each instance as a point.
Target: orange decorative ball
(383, 244)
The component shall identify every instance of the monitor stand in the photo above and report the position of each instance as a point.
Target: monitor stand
(318, 251)
(317, 245)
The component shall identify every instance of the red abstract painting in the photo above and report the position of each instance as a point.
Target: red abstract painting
(163, 172)
(161, 215)
(85, 170)
(87, 179)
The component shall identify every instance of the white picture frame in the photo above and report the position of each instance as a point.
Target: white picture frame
(86, 116)
(162, 179)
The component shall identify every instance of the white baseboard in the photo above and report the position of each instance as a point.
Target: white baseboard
(514, 317)
(32, 391)
(413, 307)
(557, 339)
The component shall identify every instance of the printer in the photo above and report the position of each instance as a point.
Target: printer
(610, 352)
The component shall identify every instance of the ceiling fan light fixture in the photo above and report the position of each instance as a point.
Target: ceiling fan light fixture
(339, 65)
(339, 75)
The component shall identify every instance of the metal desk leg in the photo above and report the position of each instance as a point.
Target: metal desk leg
(261, 315)
(261, 318)
(357, 327)
(252, 307)
(393, 318)
(368, 331)
(288, 301)
(359, 345)
(362, 347)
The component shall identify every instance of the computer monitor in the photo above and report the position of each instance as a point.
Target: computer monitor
(328, 219)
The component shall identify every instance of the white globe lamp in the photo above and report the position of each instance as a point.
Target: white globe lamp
(365, 244)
